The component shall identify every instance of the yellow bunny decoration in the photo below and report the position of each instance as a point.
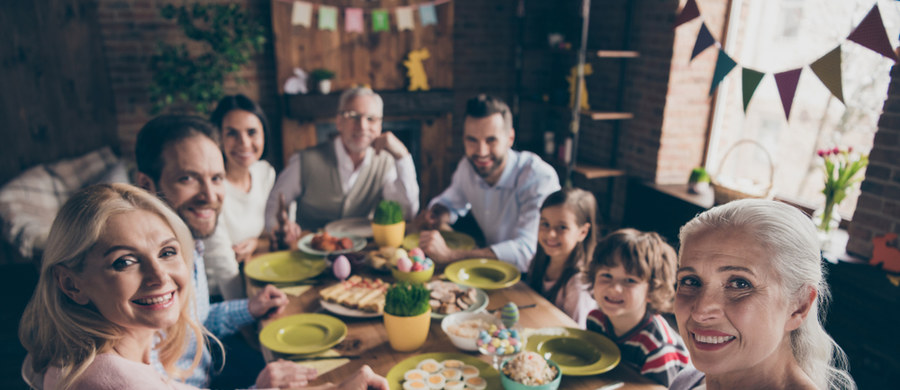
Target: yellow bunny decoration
(418, 80)
(573, 75)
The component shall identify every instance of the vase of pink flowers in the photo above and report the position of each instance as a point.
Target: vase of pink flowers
(840, 167)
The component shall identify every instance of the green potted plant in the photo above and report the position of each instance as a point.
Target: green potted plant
(407, 315)
(388, 226)
(698, 183)
(322, 77)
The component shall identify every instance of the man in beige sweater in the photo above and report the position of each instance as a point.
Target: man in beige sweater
(347, 176)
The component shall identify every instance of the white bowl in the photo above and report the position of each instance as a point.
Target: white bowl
(467, 343)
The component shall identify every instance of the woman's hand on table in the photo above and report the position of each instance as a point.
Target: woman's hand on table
(282, 374)
(270, 301)
(362, 379)
(244, 250)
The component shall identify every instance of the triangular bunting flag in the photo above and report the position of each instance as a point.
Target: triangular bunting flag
(787, 87)
(301, 14)
(353, 19)
(749, 81)
(327, 18)
(724, 64)
(427, 15)
(404, 18)
(704, 40)
(870, 33)
(828, 69)
(688, 13)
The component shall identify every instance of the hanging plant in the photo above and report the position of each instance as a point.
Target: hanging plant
(195, 78)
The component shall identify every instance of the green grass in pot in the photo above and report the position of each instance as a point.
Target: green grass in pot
(699, 175)
(388, 212)
(406, 299)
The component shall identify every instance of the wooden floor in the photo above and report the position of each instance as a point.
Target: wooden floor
(16, 286)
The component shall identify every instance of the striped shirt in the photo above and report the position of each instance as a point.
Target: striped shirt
(652, 346)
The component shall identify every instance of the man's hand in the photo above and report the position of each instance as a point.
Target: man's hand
(287, 231)
(389, 142)
(244, 251)
(435, 218)
(282, 374)
(270, 301)
(434, 246)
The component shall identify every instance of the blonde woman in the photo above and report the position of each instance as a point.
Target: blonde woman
(114, 290)
(749, 302)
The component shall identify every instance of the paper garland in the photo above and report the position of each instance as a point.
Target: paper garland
(870, 33)
(302, 14)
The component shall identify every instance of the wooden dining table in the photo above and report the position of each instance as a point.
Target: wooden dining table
(367, 337)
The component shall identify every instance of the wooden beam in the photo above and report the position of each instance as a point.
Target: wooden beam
(607, 116)
(618, 54)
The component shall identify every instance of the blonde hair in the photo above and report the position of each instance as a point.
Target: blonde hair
(59, 332)
(789, 236)
(643, 254)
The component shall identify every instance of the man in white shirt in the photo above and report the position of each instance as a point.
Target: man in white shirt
(502, 188)
(347, 176)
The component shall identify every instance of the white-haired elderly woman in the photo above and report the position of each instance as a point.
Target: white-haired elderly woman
(750, 299)
(115, 288)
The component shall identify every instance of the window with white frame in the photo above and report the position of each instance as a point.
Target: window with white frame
(773, 36)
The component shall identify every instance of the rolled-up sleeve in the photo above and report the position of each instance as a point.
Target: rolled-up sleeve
(400, 185)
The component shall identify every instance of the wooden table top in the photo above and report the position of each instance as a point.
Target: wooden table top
(367, 336)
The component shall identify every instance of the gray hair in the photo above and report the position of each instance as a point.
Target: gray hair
(353, 93)
(789, 236)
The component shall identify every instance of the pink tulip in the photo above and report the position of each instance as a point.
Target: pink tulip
(836, 150)
(821, 153)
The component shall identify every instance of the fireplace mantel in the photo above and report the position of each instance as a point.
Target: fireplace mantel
(312, 107)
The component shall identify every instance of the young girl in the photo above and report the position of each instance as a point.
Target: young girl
(633, 279)
(566, 235)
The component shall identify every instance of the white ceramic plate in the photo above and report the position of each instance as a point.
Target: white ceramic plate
(360, 227)
(346, 311)
(304, 245)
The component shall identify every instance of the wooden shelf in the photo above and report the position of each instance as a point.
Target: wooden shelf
(618, 54)
(607, 116)
(593, 172)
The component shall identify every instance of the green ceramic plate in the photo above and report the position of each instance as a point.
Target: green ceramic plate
(304, 244)
(577, 352)
(483, 273)
(303, 333)
(284, 267)
(395, 375)
(454, 240)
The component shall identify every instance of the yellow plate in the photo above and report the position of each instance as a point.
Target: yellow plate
(284, 267)
(455, 240)
(303, 333)
(395, 375)
(483, 273)
(577, 352)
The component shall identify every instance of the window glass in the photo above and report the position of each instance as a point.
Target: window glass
(773, 36)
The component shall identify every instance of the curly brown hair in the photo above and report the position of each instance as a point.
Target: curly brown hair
(642, 254)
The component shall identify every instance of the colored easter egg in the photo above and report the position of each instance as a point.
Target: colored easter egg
(341, 267)
(416, 252)
(418, 267)
(509, 314)
(404, 264)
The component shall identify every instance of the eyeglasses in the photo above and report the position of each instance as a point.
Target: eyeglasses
(355, 116)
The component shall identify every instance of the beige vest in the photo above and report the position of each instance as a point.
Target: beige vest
(323, 201)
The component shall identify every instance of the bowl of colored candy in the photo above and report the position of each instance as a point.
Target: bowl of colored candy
(464, 328)
(416, 268)
(498, 341)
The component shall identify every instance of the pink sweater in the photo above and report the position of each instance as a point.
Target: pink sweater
(574, 298)
(113, 372)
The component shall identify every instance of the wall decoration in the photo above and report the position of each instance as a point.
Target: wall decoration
(327, 18)
(380, 20)
(404, 18)
(870, 33)
(418, 80)
(427, 14)
(301, 14)
(353, 18)
(573, 75)
(884, 255)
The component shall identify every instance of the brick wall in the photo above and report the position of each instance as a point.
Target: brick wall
(131, 29)
(878, 208)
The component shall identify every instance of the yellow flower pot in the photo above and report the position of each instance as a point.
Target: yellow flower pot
(389, 235)
(407, 333)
